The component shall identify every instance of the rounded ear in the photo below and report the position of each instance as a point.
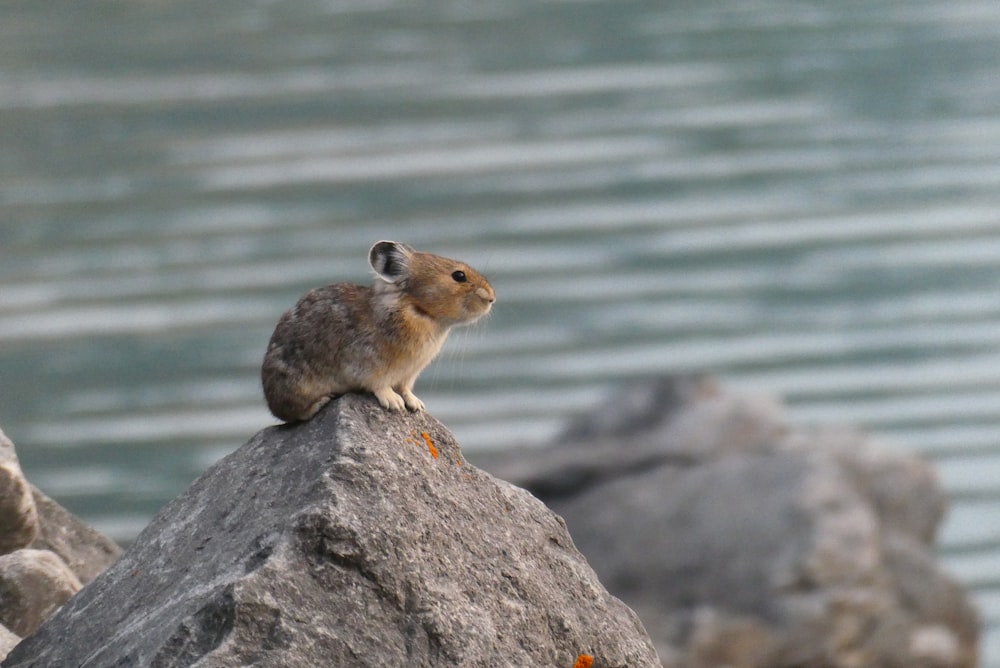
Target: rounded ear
(390, 260)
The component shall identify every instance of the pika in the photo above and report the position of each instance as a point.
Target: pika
(351, 338)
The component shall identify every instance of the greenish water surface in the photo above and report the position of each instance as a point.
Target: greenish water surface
(801, 198)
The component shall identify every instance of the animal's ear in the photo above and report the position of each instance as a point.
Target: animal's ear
(390, 260)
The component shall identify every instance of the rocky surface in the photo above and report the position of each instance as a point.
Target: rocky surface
(8, 640)
(743, 542)
(46, 553)
(18, 516)
(33, 584)
(86, 551)
(360, 538)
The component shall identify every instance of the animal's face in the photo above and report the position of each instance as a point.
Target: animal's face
(445, 290)
(449, 290)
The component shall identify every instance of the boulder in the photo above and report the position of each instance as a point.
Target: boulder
(33, 583)
(359, 538)
(46, 552)
(744, 542)
(18, 517)
(85, 550)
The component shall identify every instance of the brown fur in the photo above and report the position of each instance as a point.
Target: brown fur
(349, 338)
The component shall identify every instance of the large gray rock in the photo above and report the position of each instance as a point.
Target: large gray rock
(360, 538)
(745, 543)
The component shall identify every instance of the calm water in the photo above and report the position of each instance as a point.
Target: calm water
(801, 198)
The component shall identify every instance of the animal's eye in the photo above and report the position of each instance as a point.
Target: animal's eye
(459, 276)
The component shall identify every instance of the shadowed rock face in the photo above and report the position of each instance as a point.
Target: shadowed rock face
(745, 542)
(359, 538)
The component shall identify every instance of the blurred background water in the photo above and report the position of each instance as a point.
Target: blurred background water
(799, 197)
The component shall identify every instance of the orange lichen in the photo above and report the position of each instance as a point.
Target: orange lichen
(430, 444)
(584, 661)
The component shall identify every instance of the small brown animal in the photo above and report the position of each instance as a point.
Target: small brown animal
(349, 338)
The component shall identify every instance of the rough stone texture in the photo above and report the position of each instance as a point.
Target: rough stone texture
(742, 542)
(84, 549)
(8, 640)
(47, 552)
(33, 583)
(349, 540)
(18, 518)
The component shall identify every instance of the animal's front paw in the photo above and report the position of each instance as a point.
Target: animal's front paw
(389, 399)
(411, 400)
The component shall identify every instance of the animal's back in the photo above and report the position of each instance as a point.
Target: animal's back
(306, 355)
